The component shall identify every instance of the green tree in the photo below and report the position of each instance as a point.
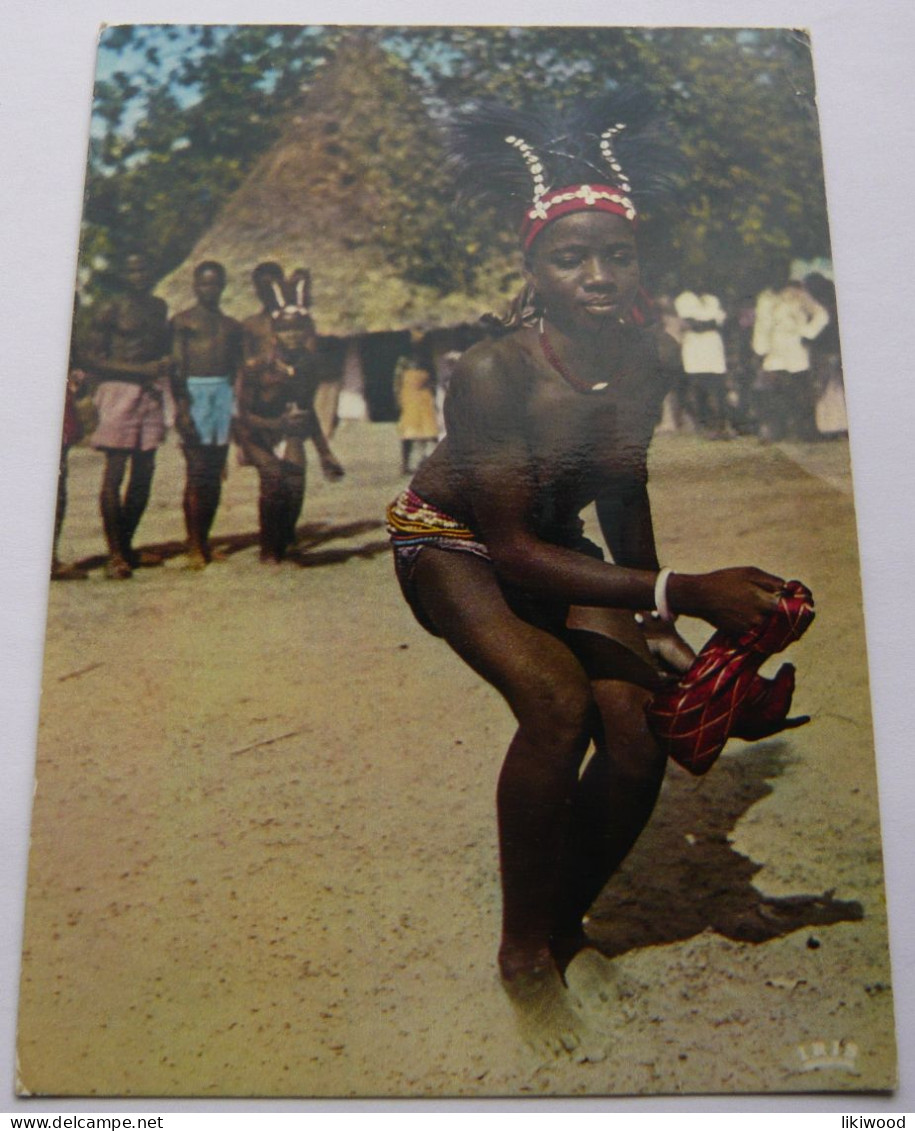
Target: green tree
(181, 125)
(184, 117)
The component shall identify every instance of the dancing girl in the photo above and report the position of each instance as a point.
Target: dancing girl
(554, 415)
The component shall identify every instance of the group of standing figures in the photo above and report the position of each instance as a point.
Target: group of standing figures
(254, 381)
(769, 366)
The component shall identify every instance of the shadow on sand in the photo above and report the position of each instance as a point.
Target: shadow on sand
(305, 553)
(684, 877)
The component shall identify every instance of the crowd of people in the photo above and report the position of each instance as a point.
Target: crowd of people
(767, 365)
(253, 382)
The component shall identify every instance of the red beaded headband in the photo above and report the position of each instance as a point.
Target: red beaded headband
(554, 204)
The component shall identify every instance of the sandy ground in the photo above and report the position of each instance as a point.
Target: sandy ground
(263, 851)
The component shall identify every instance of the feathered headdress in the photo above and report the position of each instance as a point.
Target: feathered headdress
(289, 298)
(610, 154)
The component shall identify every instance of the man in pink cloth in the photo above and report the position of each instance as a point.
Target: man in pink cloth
(129, 354)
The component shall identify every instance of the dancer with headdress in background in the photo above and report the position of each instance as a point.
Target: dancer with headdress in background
(257, 329)
(552, 416)
(276, 413)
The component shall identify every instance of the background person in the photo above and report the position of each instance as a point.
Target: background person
(276, 414)
(785, 324)
(207, 348)
(414, 391)
(129, 354)
(704, 364)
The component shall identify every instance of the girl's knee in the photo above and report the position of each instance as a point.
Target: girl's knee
(630, 745)
(559, 710)
(640, 769)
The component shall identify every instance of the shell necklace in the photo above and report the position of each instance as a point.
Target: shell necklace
(577, 383)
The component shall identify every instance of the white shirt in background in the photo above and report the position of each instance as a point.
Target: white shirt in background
(786, 321)
(702, 350)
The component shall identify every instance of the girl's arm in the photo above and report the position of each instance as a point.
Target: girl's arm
(487, 444)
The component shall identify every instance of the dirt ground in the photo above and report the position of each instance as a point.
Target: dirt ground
(263, 852)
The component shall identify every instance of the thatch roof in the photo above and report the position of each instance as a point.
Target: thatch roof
(316, 200)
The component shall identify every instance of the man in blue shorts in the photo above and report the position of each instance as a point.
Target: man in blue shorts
(207, 348)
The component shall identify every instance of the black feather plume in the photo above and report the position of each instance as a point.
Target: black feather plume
(488, 169)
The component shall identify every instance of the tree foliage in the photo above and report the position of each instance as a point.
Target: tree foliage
(182, 114)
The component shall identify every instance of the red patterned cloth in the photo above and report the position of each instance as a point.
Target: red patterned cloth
(723, 695)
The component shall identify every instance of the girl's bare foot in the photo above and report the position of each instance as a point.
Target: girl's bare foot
(545, 1015)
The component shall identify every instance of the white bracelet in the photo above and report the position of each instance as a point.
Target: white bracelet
(660, 595)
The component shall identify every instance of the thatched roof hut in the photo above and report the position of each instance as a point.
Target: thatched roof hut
(331, 195)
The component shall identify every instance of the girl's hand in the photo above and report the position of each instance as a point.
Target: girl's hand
(734, 600)
(667, 645)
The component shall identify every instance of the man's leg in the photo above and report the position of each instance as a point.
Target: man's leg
(203, 488)
(192, 506)
(142, 466)
(700, 401)
(782, 394)
(216, 457)
(61, 571)
(806, 406)
(682, 403)
(293, 500)
(61, 508)
(709, 401)
(271, 509)
(112, 519)
(719, 384)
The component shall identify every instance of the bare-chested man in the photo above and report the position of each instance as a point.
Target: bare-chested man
(276, 413)
(129, 353)
(207, 347)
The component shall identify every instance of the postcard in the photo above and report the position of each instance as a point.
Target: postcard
(455, 678)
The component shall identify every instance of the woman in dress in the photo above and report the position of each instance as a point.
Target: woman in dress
(414, 390)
